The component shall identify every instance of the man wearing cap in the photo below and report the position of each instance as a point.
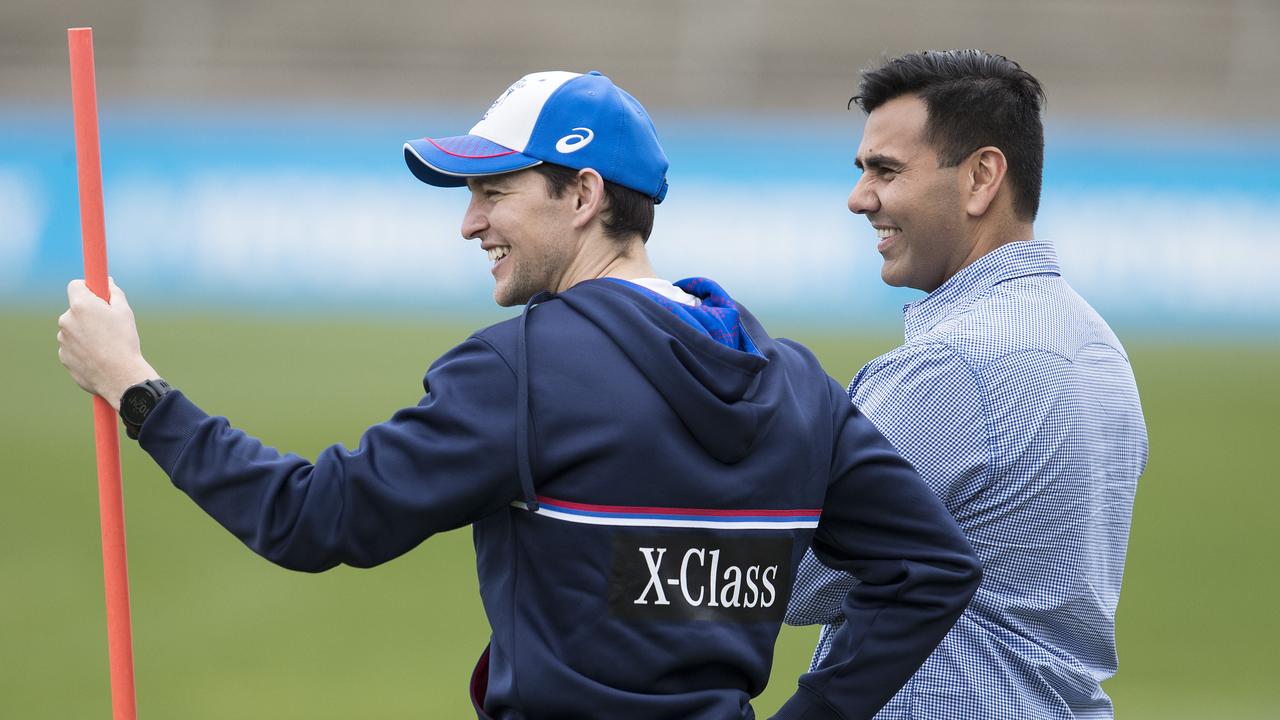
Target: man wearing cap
(642, 465)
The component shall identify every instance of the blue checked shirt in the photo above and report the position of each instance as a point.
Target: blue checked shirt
(1017, 405)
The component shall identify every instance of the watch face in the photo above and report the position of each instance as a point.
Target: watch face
(136, 404)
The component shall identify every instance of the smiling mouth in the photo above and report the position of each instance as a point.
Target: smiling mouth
(886, 236)
(497, 253)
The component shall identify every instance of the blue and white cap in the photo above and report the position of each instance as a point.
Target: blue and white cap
(578, 121)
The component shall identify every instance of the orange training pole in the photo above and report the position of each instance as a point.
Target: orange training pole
(84, 104)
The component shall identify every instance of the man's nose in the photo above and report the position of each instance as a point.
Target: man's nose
(474, 222)
(863, 200)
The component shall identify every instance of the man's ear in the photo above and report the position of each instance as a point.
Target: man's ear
(588, 197)
(984, 175)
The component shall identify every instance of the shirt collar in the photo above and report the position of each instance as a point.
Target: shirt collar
(668, 290)
(1011, 260)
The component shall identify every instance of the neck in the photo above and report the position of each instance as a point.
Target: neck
(989, 236)
(606, 257)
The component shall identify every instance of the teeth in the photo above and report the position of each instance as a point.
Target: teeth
(497, 253)
(883, 233)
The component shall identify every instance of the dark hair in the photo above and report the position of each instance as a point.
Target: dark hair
(628, 212)
(974, 99)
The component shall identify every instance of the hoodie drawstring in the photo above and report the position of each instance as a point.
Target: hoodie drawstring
(523, 462)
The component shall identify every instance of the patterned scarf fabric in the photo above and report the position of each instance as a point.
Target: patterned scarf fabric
(717, 317)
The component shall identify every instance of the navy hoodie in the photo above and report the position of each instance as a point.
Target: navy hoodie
(642, 481)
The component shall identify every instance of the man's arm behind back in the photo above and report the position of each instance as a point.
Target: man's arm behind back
(881, 523)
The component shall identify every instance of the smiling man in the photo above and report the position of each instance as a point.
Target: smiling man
(642, 465)
(1011, 396)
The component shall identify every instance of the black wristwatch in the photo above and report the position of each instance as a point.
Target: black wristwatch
(137, 403)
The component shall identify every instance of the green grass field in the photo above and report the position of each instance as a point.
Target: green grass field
(220, 633)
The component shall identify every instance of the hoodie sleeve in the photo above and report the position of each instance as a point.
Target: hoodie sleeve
(437, 466)
(881, 523)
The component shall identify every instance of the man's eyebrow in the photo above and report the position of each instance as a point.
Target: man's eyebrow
(485, 182)
(877, 160)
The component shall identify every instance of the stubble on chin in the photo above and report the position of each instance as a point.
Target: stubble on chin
(506, 296)
(529, 277)
(516, 289)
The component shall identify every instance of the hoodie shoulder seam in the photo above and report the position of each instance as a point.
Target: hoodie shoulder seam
(494, 348)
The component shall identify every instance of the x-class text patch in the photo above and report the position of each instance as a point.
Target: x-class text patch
(700, 576)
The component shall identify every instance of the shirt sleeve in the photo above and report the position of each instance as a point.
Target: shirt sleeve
(440, 465)
(928, 402)
(881, 523)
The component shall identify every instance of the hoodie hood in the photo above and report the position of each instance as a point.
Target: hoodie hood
(707, 362)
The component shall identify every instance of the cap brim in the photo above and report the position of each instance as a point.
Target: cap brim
(448, 162)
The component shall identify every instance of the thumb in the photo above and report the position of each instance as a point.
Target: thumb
(117, 295)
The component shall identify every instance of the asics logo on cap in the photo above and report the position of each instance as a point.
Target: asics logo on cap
(574, 142)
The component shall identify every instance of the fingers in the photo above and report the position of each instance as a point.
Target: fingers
(64, 340)
(67, 358)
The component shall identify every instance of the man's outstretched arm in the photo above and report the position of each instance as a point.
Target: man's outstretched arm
(439, 465)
